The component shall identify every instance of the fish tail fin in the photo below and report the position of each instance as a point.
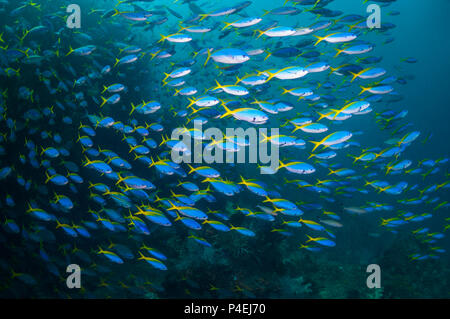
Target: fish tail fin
(363, 89)
(120, 179)
(338, 52)
(163, 140)
(271, 75)
(116, 12)
(191, 169)
(237, 80)
(268, 55)
(203, 16)
(104, 101)
(152, 164)
(58, 224)
(319, 39)
(133, 107)
(163, 38)
(218, 86)
(104, 89)
(87, 162)
(132, 148)
(351, 27)
(355, 75)
(286, 91)
(285, 123)
(157, 199)
(47, 177)
(70, 51)
(316, 145)
(164, 80)
(178, 216)
(208, 57)
(141, 256)
(227, 25)
(227, 111)
(367, 183)
(181, 27)
(267, 199)
(388, 170)
(14, 274)
(333, 69)
(265, 138)
(321, 116)
(260, 33)
(192, 102)
(193, 112)
(356, 158)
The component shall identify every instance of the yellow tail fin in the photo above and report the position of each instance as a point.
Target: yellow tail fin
(316, 145)
(320, 39)
(208, 57)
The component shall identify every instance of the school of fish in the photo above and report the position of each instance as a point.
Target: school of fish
(87, 114)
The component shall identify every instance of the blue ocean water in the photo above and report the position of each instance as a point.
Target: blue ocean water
(87, 177)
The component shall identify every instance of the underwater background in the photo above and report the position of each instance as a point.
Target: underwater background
(86, 175)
